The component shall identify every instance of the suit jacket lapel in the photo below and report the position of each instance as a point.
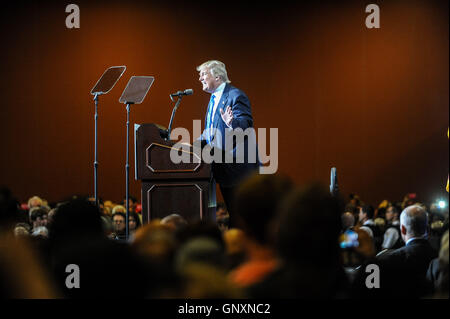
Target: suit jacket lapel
(222, 105)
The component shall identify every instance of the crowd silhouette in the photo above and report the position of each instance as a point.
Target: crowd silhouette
(289, 241)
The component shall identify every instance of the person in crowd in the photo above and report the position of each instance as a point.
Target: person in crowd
(201, 262)
(22, 229)
(403, 271)
(357, 249)
(366, 222)
(188, 259)
(174, 221)
(35, 201)
(199, 249)
(347, 221)
(365, 219)
(257, 201)
(77, 238)
(132, 202)
(119, 209)
(307, 241)
(438, 220)
(200, 228)
(234, 239)
(41, 232)
(101, 206)
(203, 281)
(356, 244)
(119, 224)
(392, 238)
(438, 270)
(380, 224)
(134, 222)
(381, 209)
(156, 241)
(23, 274)
(409, 200)
(222, 217)
(108, 207)
(353, 204)
(108, 227)
(50, 215)
(38, 218)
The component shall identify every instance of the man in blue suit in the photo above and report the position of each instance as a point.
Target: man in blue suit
(228, 113)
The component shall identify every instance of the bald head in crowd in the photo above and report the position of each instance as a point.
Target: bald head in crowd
(413, 222)
(347, 220)
(175, 221)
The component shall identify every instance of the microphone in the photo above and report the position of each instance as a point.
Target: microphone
(185, 92)
(334, 188)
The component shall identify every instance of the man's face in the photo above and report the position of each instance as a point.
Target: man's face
(361, 215)
(209, 82)
(44, 220)
(221, 213)
(222, 219)
(40, 221)
(131, 223)
(119, 223)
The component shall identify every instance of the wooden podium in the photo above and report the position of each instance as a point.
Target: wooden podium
(186, 189)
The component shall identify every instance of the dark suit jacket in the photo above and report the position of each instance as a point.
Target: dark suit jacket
(403, 271)
(230, 174)
(437, 276)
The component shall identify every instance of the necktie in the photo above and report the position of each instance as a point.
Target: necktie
(209, 117)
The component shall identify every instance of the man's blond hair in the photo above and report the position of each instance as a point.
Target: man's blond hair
(216, 68)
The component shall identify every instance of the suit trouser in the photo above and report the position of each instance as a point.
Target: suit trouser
(228, 197)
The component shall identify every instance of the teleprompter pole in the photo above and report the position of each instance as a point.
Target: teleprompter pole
(127, 174)
(95, 151)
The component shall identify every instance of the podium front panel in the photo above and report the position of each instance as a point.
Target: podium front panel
(189, 199)
(153, 160)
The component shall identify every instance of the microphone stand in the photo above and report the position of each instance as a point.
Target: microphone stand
(172, 116)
